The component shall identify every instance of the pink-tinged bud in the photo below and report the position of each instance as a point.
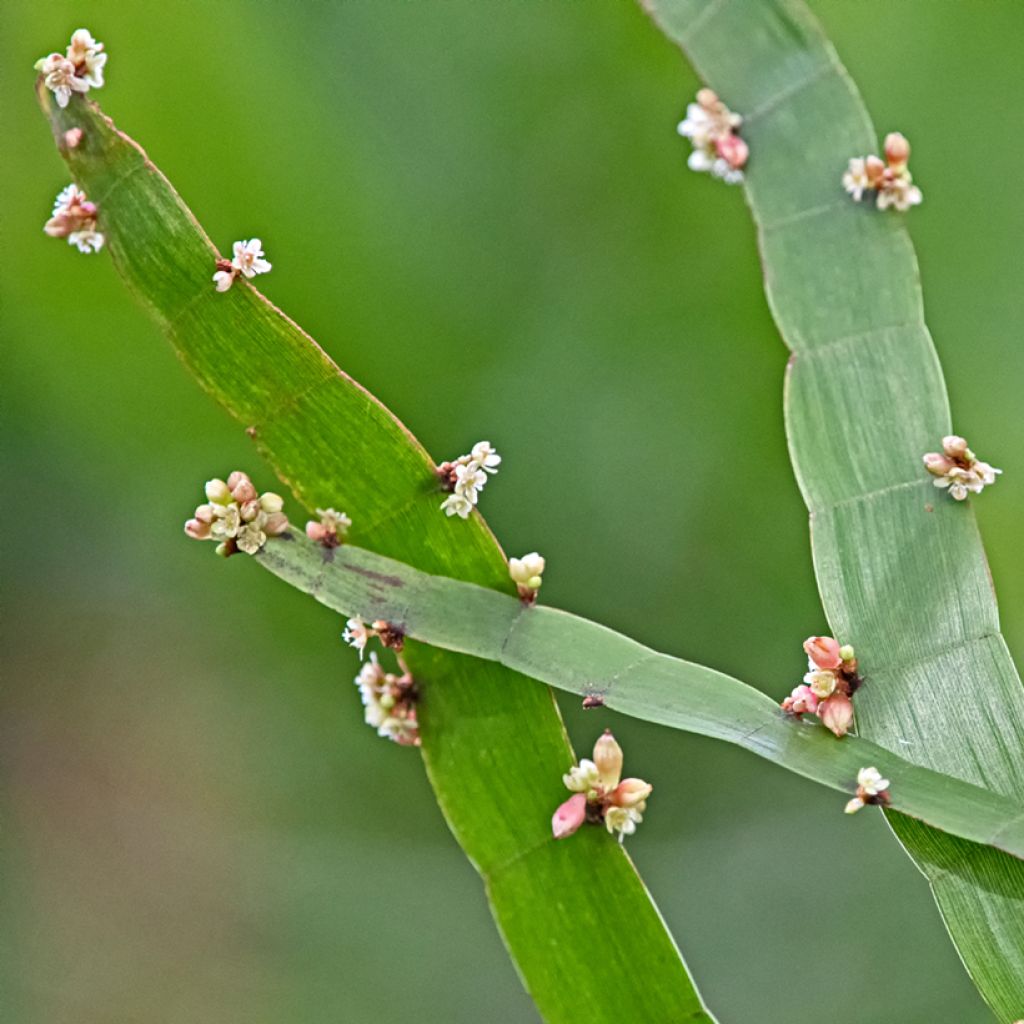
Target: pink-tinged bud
(630, 792)
(733, 150)
(569, 816)
(936, 464)
(249, 510)
(707, 98)
(276, 524)
(897, 149)
(608, 758)
(197, 529)
(874, 169)
(802, 701)
(836, 713)
(955, 447)
(238, 476)
(72, 137)
(204, 513)
(317, 532)
(823, 651)
(244, 491)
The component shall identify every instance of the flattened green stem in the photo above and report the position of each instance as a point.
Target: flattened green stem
(585, 658)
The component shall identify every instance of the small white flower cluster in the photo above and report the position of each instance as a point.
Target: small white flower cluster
(526, 574)
(871, 789)
(390, 703)
(828, 685)
(79, 70)
(247, 260)
(466, 477)
(74, 218)
(331, 530)
(711, 126)
(889, 179)
(600, 794)
(958, 469)
(358, 634)
(237, 516)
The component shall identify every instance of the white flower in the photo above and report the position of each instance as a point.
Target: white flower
(67, 199)
(74, 218)
(88, 56)
(623, 820)
(821, 683)
(357, 634)
(898, 192)
(485, 456)
(251, 537)
(60, 78)
(469, 480)
(710, 126)
(870, 780)
(856, 180)
(87, 241)
(526, 571)
(248, 258)
(227, 522)
(583, 777)
(457, 505)
(698, 126)
(223, 280)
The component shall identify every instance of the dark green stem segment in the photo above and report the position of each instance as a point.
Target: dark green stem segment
(587, 659)
(900, 566)
(493, 742)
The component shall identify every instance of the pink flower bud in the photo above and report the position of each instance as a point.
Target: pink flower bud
(733, 150)
(237, 477)
(197, 529)
(630, 792)
(276, 524)
(244, 491)
(936, 464)
(204, 513)
(569, 816)
(72, 137)
(874, 169)
(608, 758)
(317, 532)
(955, 447)
(823, 651)
(802, 701)
(249, 510)
(897, 149)
(707, 98)
(836, 713)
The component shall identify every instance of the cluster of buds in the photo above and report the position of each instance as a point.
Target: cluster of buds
(526, 574)
(957, 468)
(331, 530)
(390, 703)
(247, 260)
(601, 795)
(829, 684)
(74, 218)
(465, 478)
(889, 179)
(711, 126)
(78, 70)
(358, 634)
(237, 516)
(871, 789)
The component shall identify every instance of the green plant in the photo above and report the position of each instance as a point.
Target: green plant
(322, 433)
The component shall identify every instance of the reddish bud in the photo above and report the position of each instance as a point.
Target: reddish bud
(836, 713)
(823, 651)
(244, 491)
(955, 447)
(802, 701)
(733, 150)
(630, 792)
(238, 476)
(875, 170)
(936, 464)
(72, 137)
(569, 816)
(197, 529)
(897, 149)
(608, 758)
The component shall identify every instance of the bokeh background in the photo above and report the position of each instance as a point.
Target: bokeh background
(482, 211)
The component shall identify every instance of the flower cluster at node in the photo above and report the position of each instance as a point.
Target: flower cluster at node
(957, 468)
(390, 703)
(711, 126)
(78, 70)
(358, 634)
(465, 478)
(74, 218)
(871, 789)
(830, 682)
(247, 260)
(889, 179)
(600, 795)
(237, 517)
(526, 574)
(331, 530)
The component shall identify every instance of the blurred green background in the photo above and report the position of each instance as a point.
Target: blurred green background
(482, 211)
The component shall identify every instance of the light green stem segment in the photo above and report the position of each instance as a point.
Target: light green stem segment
(493, 742)
(588, 659)
(900, 566)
